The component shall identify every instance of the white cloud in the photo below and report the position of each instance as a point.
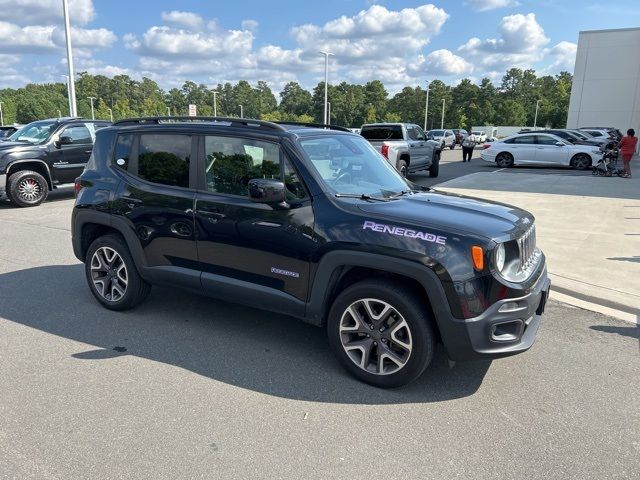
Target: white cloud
(251, 25)
(484, 5)
(564, 55)
(179, 19)
(85, 38)
(46, 12)
(29, 39)
(441, 62)
(522, 43)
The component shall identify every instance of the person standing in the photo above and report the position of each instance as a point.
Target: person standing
(628, 147)
(468, 144)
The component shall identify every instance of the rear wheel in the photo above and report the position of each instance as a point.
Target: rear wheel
(434, 169)
(27, 188)
(112, 274)
(403, 168)
(582, 161)
(381, 333)
(504, 160)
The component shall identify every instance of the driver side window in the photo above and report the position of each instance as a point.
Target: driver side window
(79, 134)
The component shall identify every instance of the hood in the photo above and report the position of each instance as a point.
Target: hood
(455, 213)
(8, 147)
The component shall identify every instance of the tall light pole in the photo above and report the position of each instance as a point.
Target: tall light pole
(426, 108)
(215, 103)
(110, 113)
(535, 118)
(326, 84)
(59, 114)
(241, 112)
(91, 99)
(72, 87)
(168, 111)
(442, 121)
(1, 115)
(329, 113)
(68, 93)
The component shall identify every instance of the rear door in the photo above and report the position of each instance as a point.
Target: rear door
(523, 148)
(156, 201)
(264, 251)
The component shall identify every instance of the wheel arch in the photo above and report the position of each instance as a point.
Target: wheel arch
(36, 165)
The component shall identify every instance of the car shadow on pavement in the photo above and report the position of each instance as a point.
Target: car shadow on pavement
(252, 349)
(65, 193)
(634, 259)
(633, 331)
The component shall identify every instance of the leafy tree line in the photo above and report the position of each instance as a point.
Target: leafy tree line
(466, 104)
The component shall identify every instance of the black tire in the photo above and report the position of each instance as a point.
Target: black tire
(504, 160)
(415, 325)
(26, 188)
(434, 169)
(452, 146)
(581, 161)
(136, 289)
(403, 168)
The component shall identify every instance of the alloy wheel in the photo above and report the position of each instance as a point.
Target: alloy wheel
(582, 162)
(503, 160)
(109, 274)
(375, 336)
(29, 190)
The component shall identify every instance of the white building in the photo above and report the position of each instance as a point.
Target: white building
(606, 80)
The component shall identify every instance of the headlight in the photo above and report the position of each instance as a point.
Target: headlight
(500, 257)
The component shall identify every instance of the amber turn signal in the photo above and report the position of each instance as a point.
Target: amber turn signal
(477, 254)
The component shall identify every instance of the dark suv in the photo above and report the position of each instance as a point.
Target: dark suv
(44, 155)
(308, 221)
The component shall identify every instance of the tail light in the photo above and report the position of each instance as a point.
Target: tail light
(77, 186)
(385, 151)
(486, 145)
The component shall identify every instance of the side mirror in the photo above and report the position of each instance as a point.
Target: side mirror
(64, 141)
(559, 144)
(269, 191)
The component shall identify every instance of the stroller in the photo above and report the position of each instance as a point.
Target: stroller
(607, 166)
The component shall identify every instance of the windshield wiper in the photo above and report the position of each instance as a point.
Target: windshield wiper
(401, 193)
(361, 196)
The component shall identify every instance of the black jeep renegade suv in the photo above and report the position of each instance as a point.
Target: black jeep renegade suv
(308, 221)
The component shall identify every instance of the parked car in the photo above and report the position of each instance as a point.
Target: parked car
(569, 136)
(539, 149)
(405, 147)
(45, 155)
(460, 134)
(588, 137)
(7, 130)
(313, 223)
(612, 131)
(481, 136)
(600, 133)
(446, 138)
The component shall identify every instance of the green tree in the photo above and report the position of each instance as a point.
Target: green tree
(295, 100)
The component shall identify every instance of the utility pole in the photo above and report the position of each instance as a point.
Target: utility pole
(241, 112)
(110, 113)
(1, 115)
(326, 84)
(68, 92)
(535, 118)
(329, 115)
(215, 103)
(426, 108)
(442, 121)
(91, 99)
(73, 111)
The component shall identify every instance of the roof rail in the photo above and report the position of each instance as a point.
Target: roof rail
(234, 121)
(315, 125)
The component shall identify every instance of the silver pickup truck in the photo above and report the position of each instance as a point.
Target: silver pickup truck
(405, 146)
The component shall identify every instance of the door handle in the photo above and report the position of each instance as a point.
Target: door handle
(132, 201)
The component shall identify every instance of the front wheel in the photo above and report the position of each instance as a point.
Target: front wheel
(381, 333)
(27, 189)
(581, 161)
(112, 274)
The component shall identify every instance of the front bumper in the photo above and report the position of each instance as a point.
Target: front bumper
(3, 184)
(507, 327)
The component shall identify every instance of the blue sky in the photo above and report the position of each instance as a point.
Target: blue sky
(400, 42)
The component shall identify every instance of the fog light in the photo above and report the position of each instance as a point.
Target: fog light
(509, 307)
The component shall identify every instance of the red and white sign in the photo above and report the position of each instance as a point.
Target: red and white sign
(193, 111)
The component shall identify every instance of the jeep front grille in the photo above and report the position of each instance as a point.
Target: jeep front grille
(529, 253)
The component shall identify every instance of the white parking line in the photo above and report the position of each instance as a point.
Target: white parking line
(499, 170)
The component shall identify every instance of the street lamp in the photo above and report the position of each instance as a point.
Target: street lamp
(91, 99)
(426, 108)
(535, 118)
(215, 104)
(329, 113)
(110, 113)
(241, 112)
(1, 115)
(73, 111)
(326, 84)
(442, 121)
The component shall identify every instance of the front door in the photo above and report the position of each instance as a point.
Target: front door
(418, 146)
(548, 153)
(262, 250)
(71, 158)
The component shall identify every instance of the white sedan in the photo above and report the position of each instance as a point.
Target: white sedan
(539, 149)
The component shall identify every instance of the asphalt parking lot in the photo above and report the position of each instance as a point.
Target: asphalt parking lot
(188, 387)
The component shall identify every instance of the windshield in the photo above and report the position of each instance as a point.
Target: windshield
(36, 132)
(581, 135)
(437, 133)
(350, 165)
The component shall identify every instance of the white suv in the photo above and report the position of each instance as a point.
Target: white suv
(446, 138)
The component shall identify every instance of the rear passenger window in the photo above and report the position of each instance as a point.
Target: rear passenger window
(165, 159)
(122, 152)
